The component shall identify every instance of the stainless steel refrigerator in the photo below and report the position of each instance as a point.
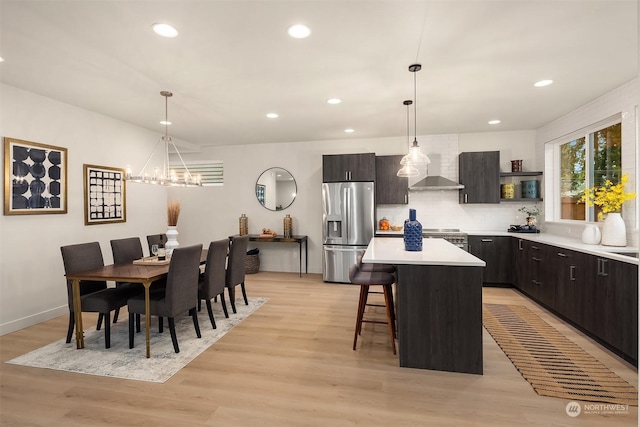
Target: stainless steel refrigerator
(347, 226)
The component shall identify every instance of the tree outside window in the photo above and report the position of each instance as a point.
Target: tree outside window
(585, 165)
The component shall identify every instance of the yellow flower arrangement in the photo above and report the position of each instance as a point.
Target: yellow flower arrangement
(609, 197)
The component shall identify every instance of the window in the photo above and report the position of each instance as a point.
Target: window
(586, 162)
(211, 172)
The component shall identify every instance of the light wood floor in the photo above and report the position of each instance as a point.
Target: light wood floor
(291, 364)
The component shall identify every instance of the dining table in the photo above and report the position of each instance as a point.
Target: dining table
(145, 273)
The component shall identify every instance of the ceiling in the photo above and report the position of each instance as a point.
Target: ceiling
(233, 62)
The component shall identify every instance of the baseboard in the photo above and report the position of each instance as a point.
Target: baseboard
(16, 325)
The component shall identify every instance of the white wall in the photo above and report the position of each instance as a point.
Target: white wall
(623, 100)
(32, 284)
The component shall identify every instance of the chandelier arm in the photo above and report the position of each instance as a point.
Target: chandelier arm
(149, 158)
(186, 169)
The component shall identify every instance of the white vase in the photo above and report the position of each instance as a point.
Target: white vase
(614, 232)
(591, 235)
(172, 240)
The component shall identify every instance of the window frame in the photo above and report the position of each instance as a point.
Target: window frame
(553, 156)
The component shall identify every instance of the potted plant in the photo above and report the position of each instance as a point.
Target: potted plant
(609, 198)
(531, 213)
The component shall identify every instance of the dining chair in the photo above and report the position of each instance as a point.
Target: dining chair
(95, 296)
(154, 239)
(180, 294)
(212, 282)
(125, 251)
(236, 268)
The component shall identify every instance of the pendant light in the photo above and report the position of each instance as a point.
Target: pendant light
(415, 156)
(407, 169)
(165, 176)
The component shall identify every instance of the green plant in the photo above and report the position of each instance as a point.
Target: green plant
(533, 211)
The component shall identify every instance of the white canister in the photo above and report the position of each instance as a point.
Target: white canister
(591, 235)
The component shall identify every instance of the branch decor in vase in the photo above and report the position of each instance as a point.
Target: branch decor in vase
(531, 213)
(173, 212)
(610, 197)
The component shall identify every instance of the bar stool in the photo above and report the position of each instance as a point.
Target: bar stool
(366, 279)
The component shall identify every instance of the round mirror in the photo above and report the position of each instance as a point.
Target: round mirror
(276, 189)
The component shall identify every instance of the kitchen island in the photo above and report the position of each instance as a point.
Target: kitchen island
(439, 294)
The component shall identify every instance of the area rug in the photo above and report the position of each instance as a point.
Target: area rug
(553, 365)
(121, 362)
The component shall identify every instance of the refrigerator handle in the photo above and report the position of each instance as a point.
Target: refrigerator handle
(348, 213)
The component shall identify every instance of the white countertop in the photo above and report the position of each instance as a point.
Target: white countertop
(382, 250)
(566, 242)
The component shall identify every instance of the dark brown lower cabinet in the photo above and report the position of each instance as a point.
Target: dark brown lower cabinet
(599, 295)
(497, 252)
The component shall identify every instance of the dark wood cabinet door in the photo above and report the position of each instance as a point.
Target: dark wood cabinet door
(391, 189)
(348, 167)
(497, 252)
(480, 175)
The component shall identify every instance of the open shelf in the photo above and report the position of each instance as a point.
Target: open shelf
(522, 200)
(503, 174)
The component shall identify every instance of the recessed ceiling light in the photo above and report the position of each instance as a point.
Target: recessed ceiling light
(349, 130)
(543, 83)
(164, 30)
(299, 31)
(494, 122)
(334, 101)
(1, 59)
(164, 122)
(272, 115)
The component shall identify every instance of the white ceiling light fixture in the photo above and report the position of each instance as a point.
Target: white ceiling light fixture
(272, 115)
(299, 31)
(164, 30)
(1, 59)
(415, 157)
(349, 130)
(334, 101)
(494, 122)
(543, 83)
(165, 176)
(408, 170)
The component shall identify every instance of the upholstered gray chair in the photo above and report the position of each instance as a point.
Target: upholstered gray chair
(95, 296)
(179, 296)
(154, 239)
(236, 268)
(125, 251)
(212, 282)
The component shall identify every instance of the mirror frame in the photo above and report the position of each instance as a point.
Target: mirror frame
(260, 190)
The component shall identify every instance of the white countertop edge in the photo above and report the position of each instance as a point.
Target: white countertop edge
(382, 250)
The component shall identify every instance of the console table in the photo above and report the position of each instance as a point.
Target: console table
(281, 239)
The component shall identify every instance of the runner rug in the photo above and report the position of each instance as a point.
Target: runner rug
(120, 361)
(550, 362)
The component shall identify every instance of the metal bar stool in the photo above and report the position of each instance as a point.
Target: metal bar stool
(372, 277)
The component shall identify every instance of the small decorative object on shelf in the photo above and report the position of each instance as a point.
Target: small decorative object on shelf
(516, 165)
(243, 225)
(288, 226)
(173, 212)
(412, 233)
(610, 197)
(507, 191)
(267, 232)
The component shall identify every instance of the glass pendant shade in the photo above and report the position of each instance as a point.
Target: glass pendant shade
(415, 156)
(407, 171)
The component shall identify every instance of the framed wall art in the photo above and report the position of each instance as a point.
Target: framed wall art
(35, 178)
(104, 195)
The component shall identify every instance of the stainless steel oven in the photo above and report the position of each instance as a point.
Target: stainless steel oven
(452, 235)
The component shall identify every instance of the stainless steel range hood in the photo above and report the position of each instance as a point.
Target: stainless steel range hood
(436, 183)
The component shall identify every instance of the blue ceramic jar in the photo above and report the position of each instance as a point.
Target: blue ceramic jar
(412, 233)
